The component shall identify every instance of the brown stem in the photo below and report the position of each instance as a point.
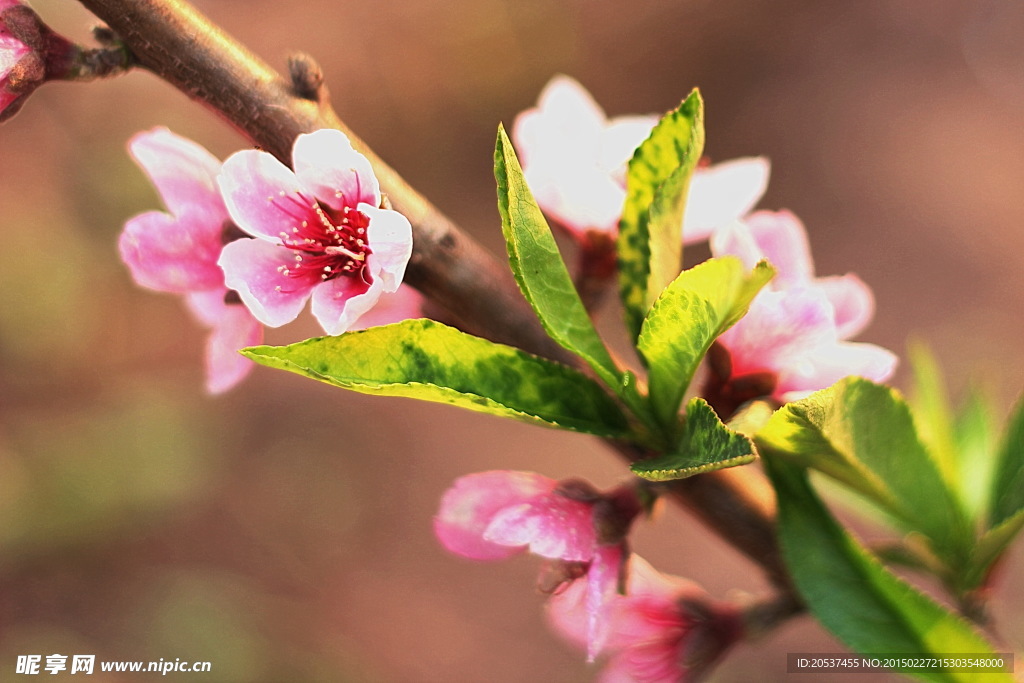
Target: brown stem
(174, 41)
(762, 618)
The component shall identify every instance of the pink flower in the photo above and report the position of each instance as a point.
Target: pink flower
(497, 514)
(797, 327)
(319, 233)
(574, 159)
(177, 252)
(663, 630)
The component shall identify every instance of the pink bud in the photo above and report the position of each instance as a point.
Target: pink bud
(664, 629)
(22, 68)
(493, 515)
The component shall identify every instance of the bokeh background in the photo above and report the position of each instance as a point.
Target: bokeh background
(282, 531)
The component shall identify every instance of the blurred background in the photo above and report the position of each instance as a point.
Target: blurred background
(283, 531)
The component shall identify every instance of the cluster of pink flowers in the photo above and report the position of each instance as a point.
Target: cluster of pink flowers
(794, 339)
(604, 599)
(249, 241)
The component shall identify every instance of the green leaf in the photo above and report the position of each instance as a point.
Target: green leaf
(650, 230)
(539, 269)
(429, 361)
(1008, 484)
(690, 314)
(932, 411)
(991, 546)
(977, 448)
(866, 606)
(706, 444)
(862, 434)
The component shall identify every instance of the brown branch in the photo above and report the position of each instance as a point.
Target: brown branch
(174, 41)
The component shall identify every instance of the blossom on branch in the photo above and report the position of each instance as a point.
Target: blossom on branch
(664, 629)
(21, 68)
(494, 515)
(177, 252)
(320, 232)
(793, 340)
(574, 159)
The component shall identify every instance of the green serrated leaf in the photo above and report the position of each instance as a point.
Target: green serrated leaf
(690, 314)
(650, 230)
(429, 361)
(1008, 483)
(706, 444)
(862, 434)
(539, 269)
(865, 605)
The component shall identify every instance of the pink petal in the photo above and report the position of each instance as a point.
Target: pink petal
(392, 307)
(263, 196)
(602, 586)
(468, 507)
(735, 239)
(830, 363)
(7, 98)
(656, 662)
(208, 306)
(621, 138)
(853, 302)
(723, 193)
(234, 328)
(650, 604)
(553, 525)
(569, 613)
(778, 236)
(390, 238)
(566, 124)
(171, 254)
(782, 238)
(560, 144)
(338, 303)
(251, 267)
(183, 172)
(328, 166)
(579, 198)
(780, 328)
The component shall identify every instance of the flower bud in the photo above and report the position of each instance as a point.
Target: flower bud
(22, 69)
(30, 54)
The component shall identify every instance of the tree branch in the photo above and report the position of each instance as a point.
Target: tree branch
(177, 43)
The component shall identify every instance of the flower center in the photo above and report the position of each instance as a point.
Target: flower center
(325, 245)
